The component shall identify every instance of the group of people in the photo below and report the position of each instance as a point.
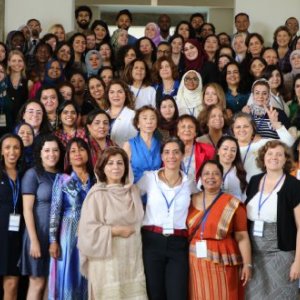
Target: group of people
(164, 167)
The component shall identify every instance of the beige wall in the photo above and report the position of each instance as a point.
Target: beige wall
(49, 12)
(267, 15)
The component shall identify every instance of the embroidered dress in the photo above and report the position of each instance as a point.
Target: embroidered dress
(65, 280)
(217, 276)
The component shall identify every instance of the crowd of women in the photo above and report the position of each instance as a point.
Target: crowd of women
(126, 174)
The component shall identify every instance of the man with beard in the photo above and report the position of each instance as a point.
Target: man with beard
(164, 24)
(35, 28)
(123, 21)
(83, 16)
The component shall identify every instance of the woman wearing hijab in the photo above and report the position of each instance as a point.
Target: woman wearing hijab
(189, 95)
(93, 62)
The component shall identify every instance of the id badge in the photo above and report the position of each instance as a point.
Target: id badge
(14, 222)
(258, 228)
(2, 120)
(201, 249)
(168, 227)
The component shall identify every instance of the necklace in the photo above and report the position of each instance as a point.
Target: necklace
(169, 183)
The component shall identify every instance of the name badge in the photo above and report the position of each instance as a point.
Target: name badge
(14, 222)
(258, 228)
(201, 249)
(2, 120)
(168, 227)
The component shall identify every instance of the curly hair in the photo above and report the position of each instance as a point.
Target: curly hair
(260, 160)
(157, 66)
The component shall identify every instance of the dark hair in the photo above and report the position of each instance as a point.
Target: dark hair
(213, 162)
(112, 53)
(262, 60)
(157, 66)
(91, 117)
(205, 114)
(192, 34)
(260, 160)
(241, 14)
(45, 45)
(175, 36)
(83, 8)
(267, 73)
(59, 46)
(138, 43)
(122, 53)
(297, 77)
(176, 112)
(20, 160)
(278, 29)
(45, 87)
(252, 35)
(68, 84)
(192, 119)
(128, 94)
(173, 139)
(269, 48)
(45, 126)
(135, 120)
(127, 74)
(218, 53)
(38, 148)
(210, 24)
(195, 15)
(124, 12)
(80, 143)
(248, 117)
(227, 35)
(295, 150)
(49, 36)
(106, 68)
(62, 106)
(237, 162)
(104, 25)
(6, 53)
(102, 161)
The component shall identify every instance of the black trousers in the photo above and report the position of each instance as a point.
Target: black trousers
(166, 266)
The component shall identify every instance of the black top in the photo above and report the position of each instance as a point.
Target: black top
(288, 199)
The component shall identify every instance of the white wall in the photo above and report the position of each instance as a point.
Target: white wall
(267, 15)
(49, 12)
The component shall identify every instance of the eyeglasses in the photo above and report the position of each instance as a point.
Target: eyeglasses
(189, 79)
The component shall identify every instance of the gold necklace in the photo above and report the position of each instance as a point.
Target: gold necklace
(168, 182)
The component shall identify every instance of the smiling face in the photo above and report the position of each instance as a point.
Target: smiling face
(275, 159)
(150, 31)
(167, 109)
(210, 96)
(211, 44)
(190, 51)
(283, 38)
(216, 119)
(171, 156)
(138, 71)
(257, 68)
(186, 130)
(50, 155)
(10, 151)
(100, 33)
(122, 39)
(211, 178)
(261, 95)
(275, 80)
(184, 31)
(191, 81)
(94, 61)
(33, 115)
(78, 155)
(26, 134)
(116, 96)
(96, 89)
(79, 44)
(114, 169)
(232, 75)
(54, 71)
(165, 71)
(176, 45)
(64, 53)
(243, 130)
(147, 122)
(16, 63)
(68, 116)
(227, 152)
(105, 52)
(99, 128)
(49, 100)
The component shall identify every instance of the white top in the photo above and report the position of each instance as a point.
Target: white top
(156, 208)
(268, 212)
(122, 128)
(192, 167)
(250, 163)
(144, 96)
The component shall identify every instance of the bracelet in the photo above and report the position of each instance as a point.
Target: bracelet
(248, 265)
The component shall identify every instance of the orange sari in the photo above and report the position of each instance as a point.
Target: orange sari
(217, 275)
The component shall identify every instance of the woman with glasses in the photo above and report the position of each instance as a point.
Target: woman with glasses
(189, 95)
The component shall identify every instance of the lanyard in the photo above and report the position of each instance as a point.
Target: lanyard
(187, 168)
(247, 151)
(206, 212)
(261, 203)
(138, 92)
(224, 177)
(211, 141)
(191, 111)
(15, 187)
(169, 203)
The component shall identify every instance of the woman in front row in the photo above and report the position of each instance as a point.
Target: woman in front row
(109, 239)
(220, 252)
(273, 208)
(164, 234)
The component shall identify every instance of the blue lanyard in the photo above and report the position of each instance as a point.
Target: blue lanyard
(224, 177)
(191, 111)
(248, 148)
(187, 168)
(15, 187)
(138, 92)
(261, 203)
(169, 203)
(206, 212)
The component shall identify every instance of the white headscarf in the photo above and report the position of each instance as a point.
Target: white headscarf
(189, 102)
